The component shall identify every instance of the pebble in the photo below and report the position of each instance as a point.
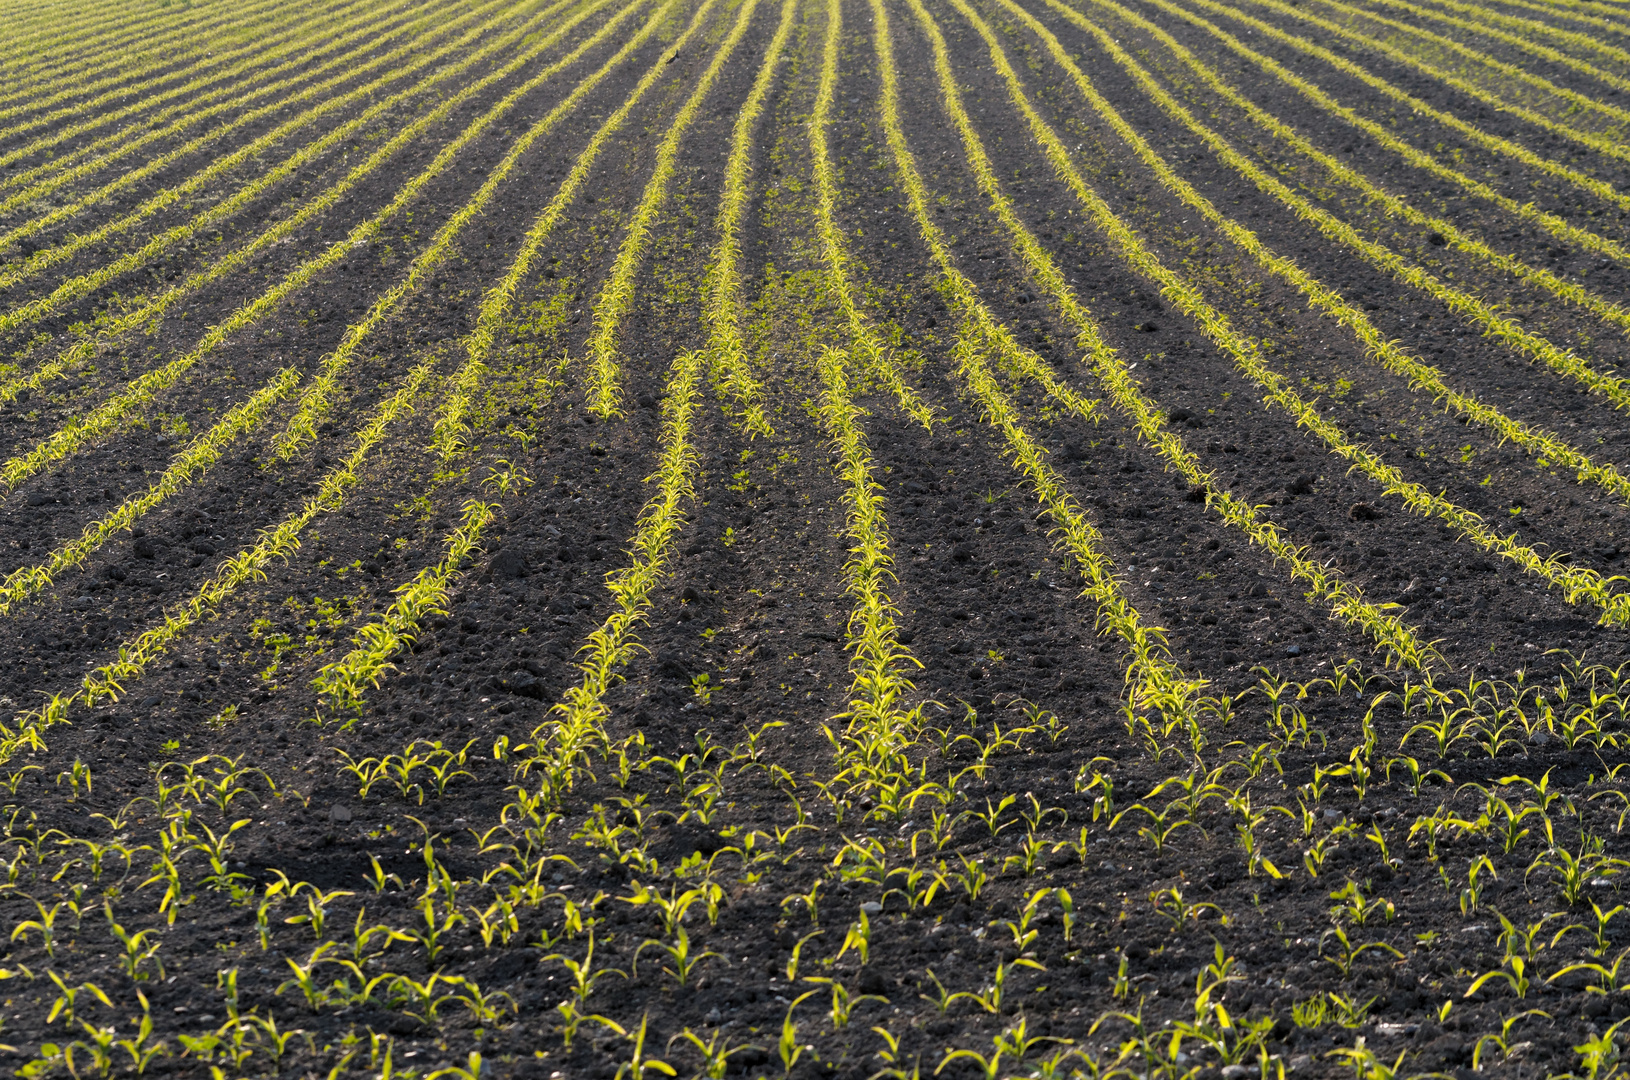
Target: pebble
(871, 907)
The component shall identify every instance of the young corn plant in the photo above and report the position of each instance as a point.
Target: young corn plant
(681, 955)
(583, 975)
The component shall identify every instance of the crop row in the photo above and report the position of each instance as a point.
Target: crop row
(866, 354)
(86, 160)
(200, 224)
(71, 121)
(144, 389)
(1576, 582)
(111, 79)
(873, 359)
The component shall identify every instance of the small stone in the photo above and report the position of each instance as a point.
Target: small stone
(508, 563)
(524, 684)
(1294, 650)
(339, 814)
(871, 907)
(1235, 1072)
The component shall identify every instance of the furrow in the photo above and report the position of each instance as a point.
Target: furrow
(1600, 189)
(82, 75)
(186, 468)
(1539, 26)
(1605, 144)
(576, 723)
(866, 346)
(342, 684)
(108, 681)
(85, 161)
(147, 96)
(1155, 684)
(1516, 41)
(727, 352)
(1559, 227)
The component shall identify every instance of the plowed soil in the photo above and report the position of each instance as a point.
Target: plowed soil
(1104, 883)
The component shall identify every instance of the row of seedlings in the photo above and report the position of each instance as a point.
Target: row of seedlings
(198, 225)
(142, 391)
(1538, 442)
(1577, 584)
(162, 57)
(354, 46)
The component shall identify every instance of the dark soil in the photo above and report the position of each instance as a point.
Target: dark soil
(1136, 852)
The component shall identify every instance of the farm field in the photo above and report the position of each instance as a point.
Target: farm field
(814, 538)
